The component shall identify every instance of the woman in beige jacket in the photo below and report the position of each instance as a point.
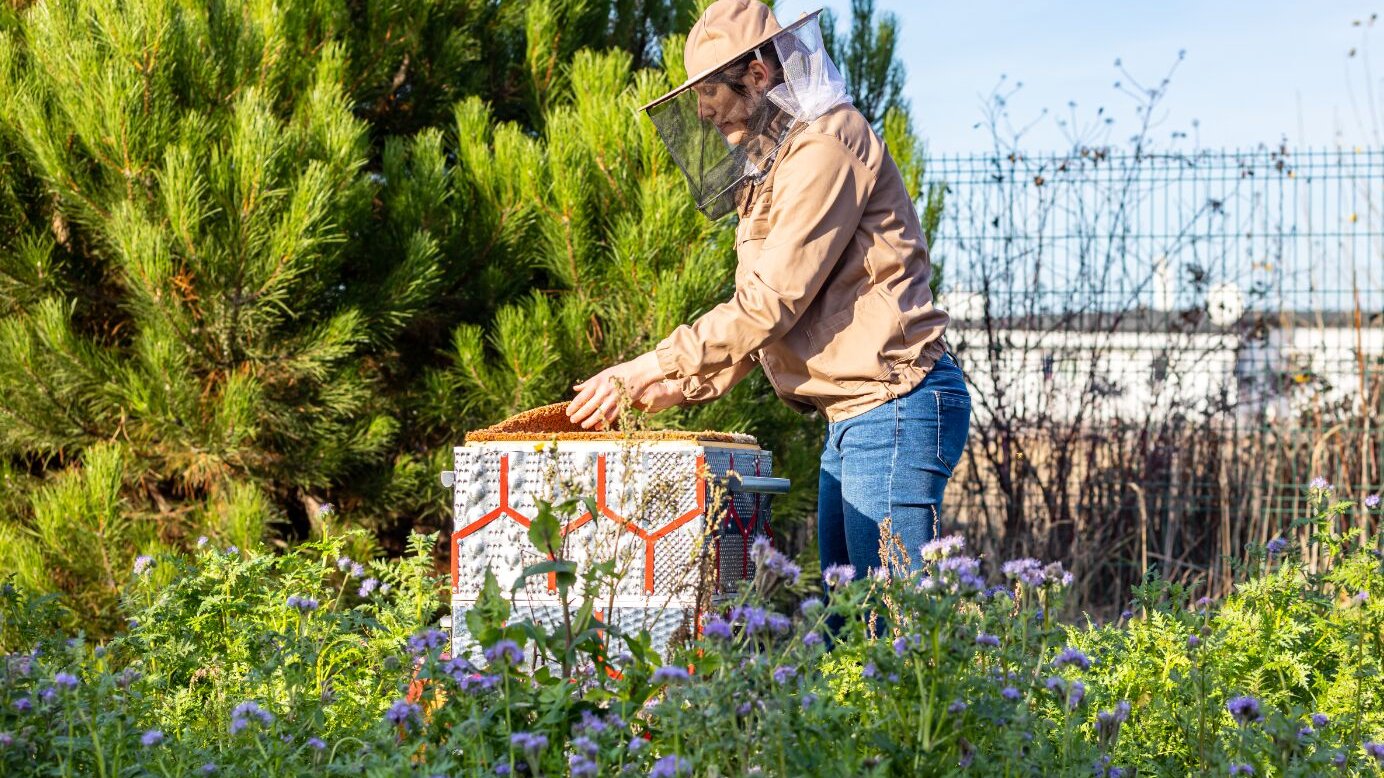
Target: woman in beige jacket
(831, 288)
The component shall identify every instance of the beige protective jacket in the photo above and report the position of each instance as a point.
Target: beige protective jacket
(831, 287)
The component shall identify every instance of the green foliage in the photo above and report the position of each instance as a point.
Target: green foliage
(310, 662)
(262, 258)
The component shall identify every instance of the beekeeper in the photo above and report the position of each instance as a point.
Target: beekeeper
(831, 288)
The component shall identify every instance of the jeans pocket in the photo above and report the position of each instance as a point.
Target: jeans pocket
(953, 426)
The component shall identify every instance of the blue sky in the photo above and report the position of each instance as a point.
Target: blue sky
(1253, 72)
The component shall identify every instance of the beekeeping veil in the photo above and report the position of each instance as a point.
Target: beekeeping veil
(729, 32)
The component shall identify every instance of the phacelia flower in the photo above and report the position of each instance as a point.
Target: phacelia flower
(811, 607)
(1319, 720)
(65, 680)
(869, 670)
(1277, 546)
(1126, 615)
(245, 712)
(1375, 750)
(208, 769)
(1321, 484)
(427, 640)
(1372, 501)
(1244, 709)
(402, 712)
(1072, 656)
(302, 604)
(784, 673)
(957, 706)
(812, 639)
(670, 674)
(582, 766)
(344, 563)
(151, 738)
(837, 576)
(985, 639)
(317, 743)
(143, 562)
(1193, 641)
(670, 766)
(503, 649)
(1076, 692)
(1108, 721)
(201, 540)
(809, 700)
(357, 570)
(778, 623)
(529, 742)
(1241, 769)
(367, 586)
(716, 628)
(941, 548)
(23, 705)
(1010, 693)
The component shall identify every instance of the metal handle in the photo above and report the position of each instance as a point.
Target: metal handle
(754, 484)
(449, 477)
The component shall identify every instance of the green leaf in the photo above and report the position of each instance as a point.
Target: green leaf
(545, 532)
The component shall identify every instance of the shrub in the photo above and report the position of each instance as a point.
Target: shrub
(279, 664)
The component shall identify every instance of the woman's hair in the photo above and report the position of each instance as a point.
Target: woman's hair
(733, 75)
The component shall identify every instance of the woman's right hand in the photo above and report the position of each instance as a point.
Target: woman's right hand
(660, 396)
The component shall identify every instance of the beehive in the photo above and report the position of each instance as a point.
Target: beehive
(677, 511)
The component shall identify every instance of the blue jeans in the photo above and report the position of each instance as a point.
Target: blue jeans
(891, 461)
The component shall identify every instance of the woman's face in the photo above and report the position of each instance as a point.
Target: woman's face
(729, 110)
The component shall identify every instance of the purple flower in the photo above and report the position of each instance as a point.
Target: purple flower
(201, 540)
(670, 674)
(1277, 546)
(1072, 656)
(357, 570)
(1076, 692)
(502, 768)
(810, 607)
(244, 712)
(784, 673)
(1319, 720)
(809, 700)
(581, 766)
(478, 682)
(427, 640)
(636, 745)
(1361, 597)
(837, 576)
(869, 670)
(344, 563)
(531, 743)
(151, 738)
(367, 586)
(900, 646)
(1108, 721)
(1320, 483)
(326, 509)
(812, 639)
(1372, 501)
(1241, 769)
(1244, 708)
(503, 649)
(1010, 693)
(957, 706)
(23, 705)
(401, 712)
(1306, 732)
(670, 767)
(585, 744)
(1193, 641)
(1375, 750)
(1204, 602)
(1126, 615)
(716, 628)
(753, 618)
(6, 740)
(303, 604)
(941, 548)
(984, 639)
(778, 623)
(317, 743)
(1029, 572)
(66, 680)
(1055, 684)
(143, 562)
(1339, 759)
(48, 694)
(208, 768)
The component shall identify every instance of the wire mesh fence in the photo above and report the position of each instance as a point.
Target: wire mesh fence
(1164, 350)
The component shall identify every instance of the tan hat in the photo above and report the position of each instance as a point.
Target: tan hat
(726, 31)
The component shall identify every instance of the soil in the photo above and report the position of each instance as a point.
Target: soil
(550, 422)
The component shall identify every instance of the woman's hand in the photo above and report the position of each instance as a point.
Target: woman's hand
(660, 396)
(598, 398)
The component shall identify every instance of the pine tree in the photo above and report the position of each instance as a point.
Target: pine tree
(259, 258)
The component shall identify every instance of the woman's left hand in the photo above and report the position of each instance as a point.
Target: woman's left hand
(598, 398)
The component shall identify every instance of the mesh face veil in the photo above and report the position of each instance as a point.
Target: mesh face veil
(724, 139)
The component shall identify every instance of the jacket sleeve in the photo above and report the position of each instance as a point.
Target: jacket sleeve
(700, 389)
(820, 191)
